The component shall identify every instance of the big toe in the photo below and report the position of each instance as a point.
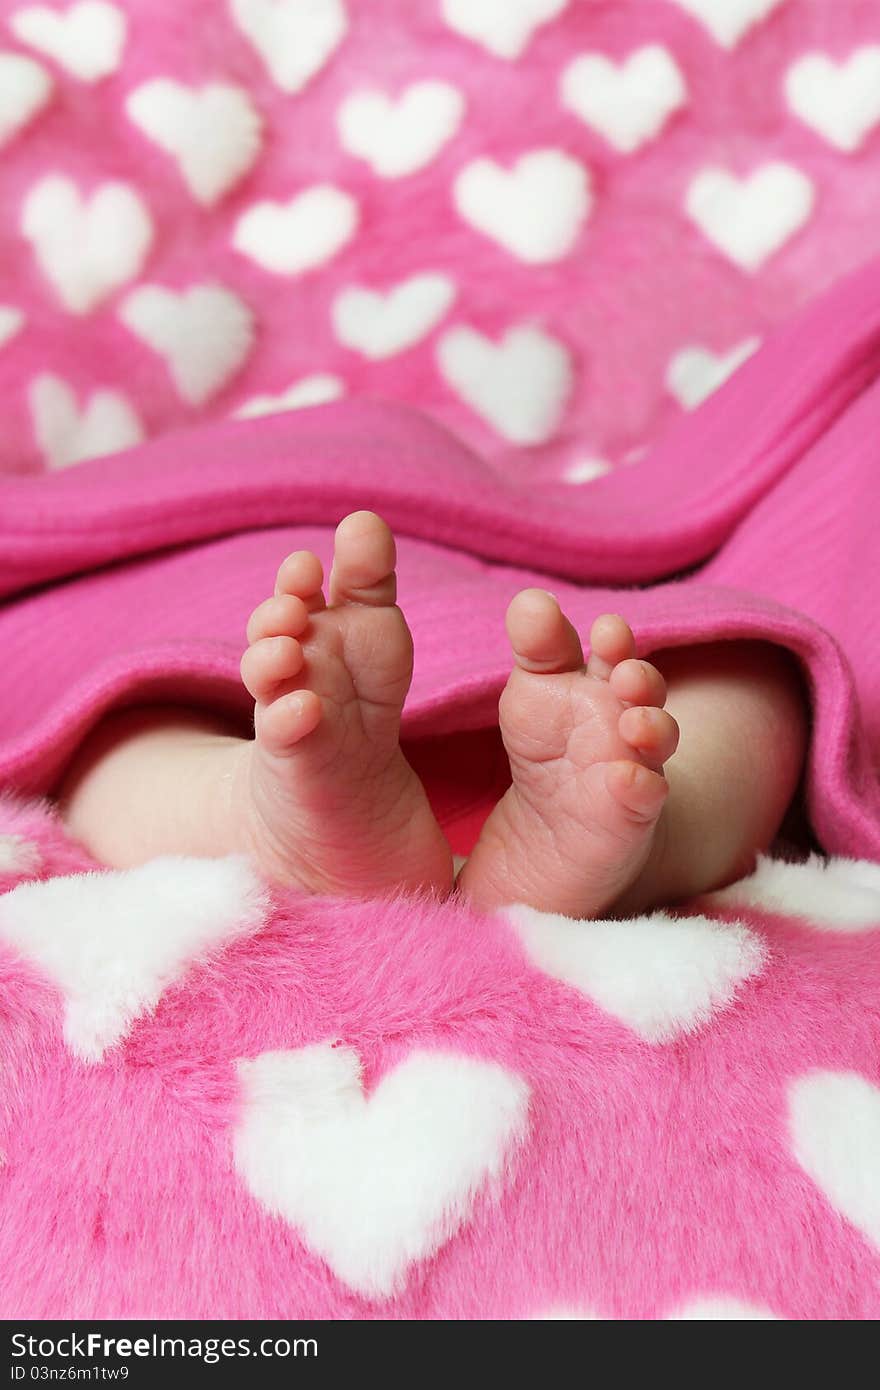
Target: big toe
(363, 561)
(542, 638)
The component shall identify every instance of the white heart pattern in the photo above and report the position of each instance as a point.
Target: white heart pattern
(311, 390)
(86, 40)
(213, 132)
(835, 1129)
(535, 210)
(660, 975)
(87, 248)
(628, 103)
(719, 1308)
(11, 322)
(839, 100)
(750, 219)
(374, 1183)
(204, 334)
(113, 942)
(519, 386)
(398, 137)
(67, 435)
(291, 238)
(729, 20)
(25, 88)
(695, 372)
(503, 27)
(294, 40)
(380, 325)
(831, 894)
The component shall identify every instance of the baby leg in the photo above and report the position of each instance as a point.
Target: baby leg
(618, 804)
(322, 798)
(743, 719)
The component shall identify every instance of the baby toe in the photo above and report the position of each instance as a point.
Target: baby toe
(638, 683)
(542, 638)
(652, 731)
(364, 558)
(285, 721)
(283, 615)
(302, 574)
(611, 641)
(640, 791)
(268, 662)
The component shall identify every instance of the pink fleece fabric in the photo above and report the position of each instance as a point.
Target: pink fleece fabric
(650, 1177)
(772, 485)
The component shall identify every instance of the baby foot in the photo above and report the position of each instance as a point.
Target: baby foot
(586, 746)
(327, 799)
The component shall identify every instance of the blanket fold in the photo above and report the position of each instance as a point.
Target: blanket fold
(159, 554)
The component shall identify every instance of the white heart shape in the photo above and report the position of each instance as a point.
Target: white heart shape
(311, 390)
(379, 325)
(695, 372)
(504, 27)
(25, 88)
(662, 976)
(11, 322)
(87, 248)
(86, 40)
(375, 1183)
(398, 137)
(534, 210)
(728, 20)
(204, 334)
(67, 435)
(832, 894)
(839, 100)
(519, 386)
(289, 238)
(18, 856)
(835, 1129)
(295, 38)
(113, 942)
(629, 103)
(749, 219)
(213, 132)
(720, 1308)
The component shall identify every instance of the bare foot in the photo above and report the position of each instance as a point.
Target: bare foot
(326, 798)
(587, 746)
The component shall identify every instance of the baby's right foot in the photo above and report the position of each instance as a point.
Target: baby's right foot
(586, 746)
(324, 796)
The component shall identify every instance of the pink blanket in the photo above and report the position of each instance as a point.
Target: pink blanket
(224, 1101)
(221, 1102)
(772, 484)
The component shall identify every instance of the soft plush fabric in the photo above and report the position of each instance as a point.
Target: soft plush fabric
(772, 484)
(552, 224)
(229, 1102)
(224, 1100)
(404, 1109)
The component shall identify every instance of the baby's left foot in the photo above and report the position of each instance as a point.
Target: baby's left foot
(586, 746)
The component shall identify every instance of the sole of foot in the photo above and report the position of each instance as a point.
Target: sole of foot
(586, 743)
(325, 797)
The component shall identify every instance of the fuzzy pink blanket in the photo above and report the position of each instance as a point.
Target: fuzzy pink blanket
(223, 1101)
